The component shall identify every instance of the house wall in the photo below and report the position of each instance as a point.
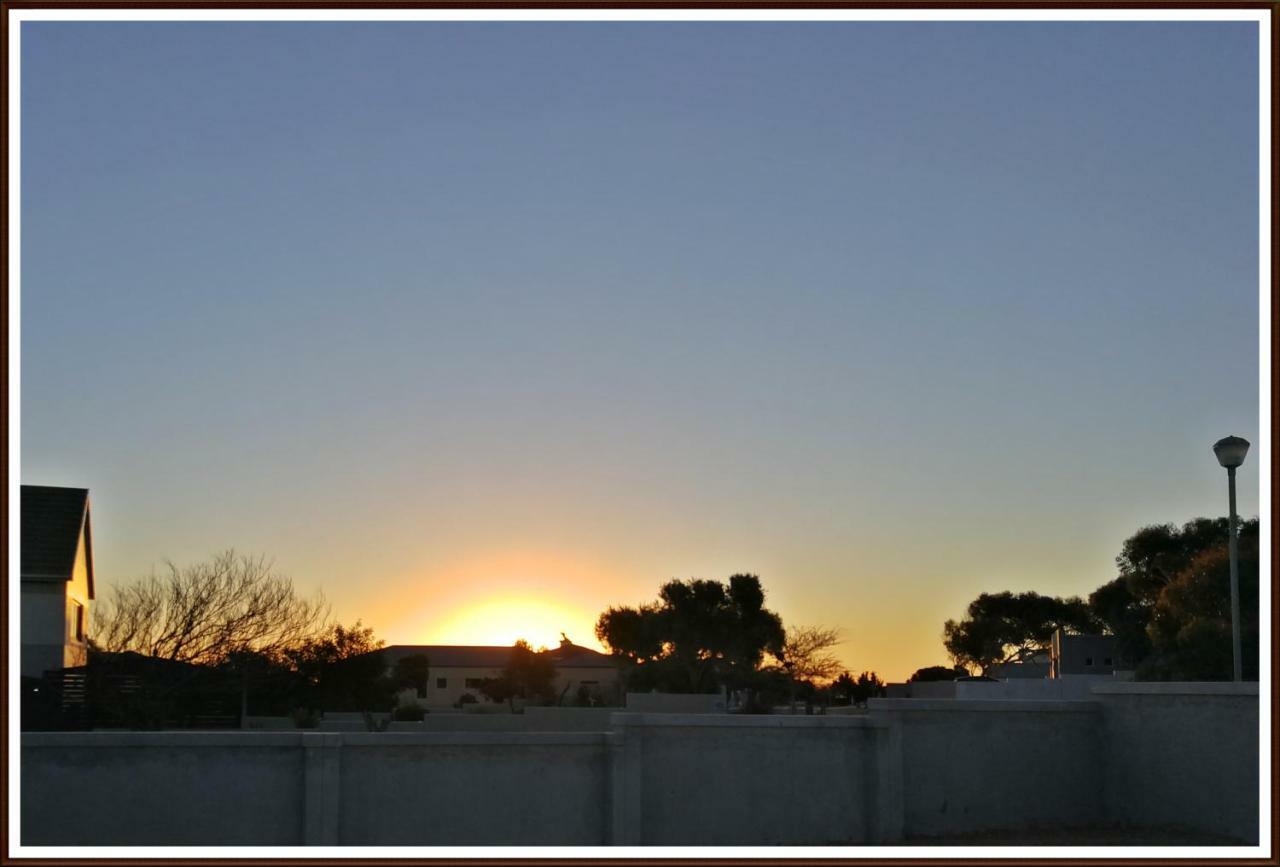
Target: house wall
(455, 684)
(42, 624)
(47, 620)
(1145, 755)
(76, 648)
(601, 681)
(456, 677)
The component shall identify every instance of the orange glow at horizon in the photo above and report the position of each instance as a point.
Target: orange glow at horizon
(495, 598)
(501, 620)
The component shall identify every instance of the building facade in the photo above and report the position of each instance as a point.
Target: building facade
(57, 578)
(1082, 655)
(456, 672)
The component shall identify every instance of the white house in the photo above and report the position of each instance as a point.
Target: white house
(458, 670)
(57, 578)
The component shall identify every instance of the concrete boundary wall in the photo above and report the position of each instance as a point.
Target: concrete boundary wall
(1182, 755)
(703, 779)
(1141, 755)
(991, 765)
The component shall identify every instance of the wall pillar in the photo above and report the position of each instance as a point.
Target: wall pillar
(321, 808)
(625, 769)
(884, 784)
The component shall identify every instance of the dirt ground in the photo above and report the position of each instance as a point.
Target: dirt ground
(1092, 836)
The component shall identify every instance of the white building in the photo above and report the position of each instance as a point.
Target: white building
(57, 578)
(458, 670)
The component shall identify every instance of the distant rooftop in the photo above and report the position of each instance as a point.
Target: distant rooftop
(567, 655)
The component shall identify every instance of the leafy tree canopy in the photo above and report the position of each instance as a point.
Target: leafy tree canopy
(1009, 627)
(936, 672)
(698, 636)
(1190, 626)
(528, 675)
(338, 670)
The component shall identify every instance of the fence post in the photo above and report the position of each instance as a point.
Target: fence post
(321, 787)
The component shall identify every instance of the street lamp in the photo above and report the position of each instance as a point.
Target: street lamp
(1231, 452)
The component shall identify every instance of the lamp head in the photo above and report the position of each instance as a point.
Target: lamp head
(1231, 451)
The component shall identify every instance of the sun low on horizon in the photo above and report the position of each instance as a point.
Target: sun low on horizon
(496, 597)
(502, 620)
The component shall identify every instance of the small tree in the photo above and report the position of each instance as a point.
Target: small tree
(935, 673)
(338, 670)
(528, 675)
(208, 613)
(805, 660)
(413, 672)
(869, 685)
(805, 653)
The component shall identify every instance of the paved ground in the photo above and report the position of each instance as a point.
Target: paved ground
(1095, 836)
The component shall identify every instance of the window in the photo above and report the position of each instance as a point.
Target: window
(1088, 660)
(1106, 661)
(79, 633)
(473, 682)
(442, 682)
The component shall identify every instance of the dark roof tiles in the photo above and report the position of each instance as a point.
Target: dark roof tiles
(52, 519)
(481, 656)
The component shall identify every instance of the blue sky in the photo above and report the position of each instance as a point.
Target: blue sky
(891, 314)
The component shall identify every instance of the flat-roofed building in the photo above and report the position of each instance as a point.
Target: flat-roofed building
(1082, 655)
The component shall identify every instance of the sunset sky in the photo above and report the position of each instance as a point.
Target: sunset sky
(484, 327)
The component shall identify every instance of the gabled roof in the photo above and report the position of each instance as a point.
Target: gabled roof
(52, 521)
(482, 656)
(569, 655)
(450, 655)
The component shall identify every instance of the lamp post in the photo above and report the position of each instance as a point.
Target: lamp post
(1230, 452)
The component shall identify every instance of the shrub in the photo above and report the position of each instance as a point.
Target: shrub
(305, 719)
(411, 712)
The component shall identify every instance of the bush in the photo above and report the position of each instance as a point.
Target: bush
(305, 719)
(412, 712)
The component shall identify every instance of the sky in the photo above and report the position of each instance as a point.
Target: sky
(481, 328)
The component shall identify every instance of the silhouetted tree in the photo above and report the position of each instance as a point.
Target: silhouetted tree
(338, 670)
(528, 675)
(935, 673)
(1190, 628)
(698, 636)
(207, 613)
(804, 653)
(805, 659)
(1149, 561)
(1008, 627)
(869, 685)
(412, 672)
(843, 688)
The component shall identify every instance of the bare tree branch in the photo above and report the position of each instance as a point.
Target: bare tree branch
(205, 612)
